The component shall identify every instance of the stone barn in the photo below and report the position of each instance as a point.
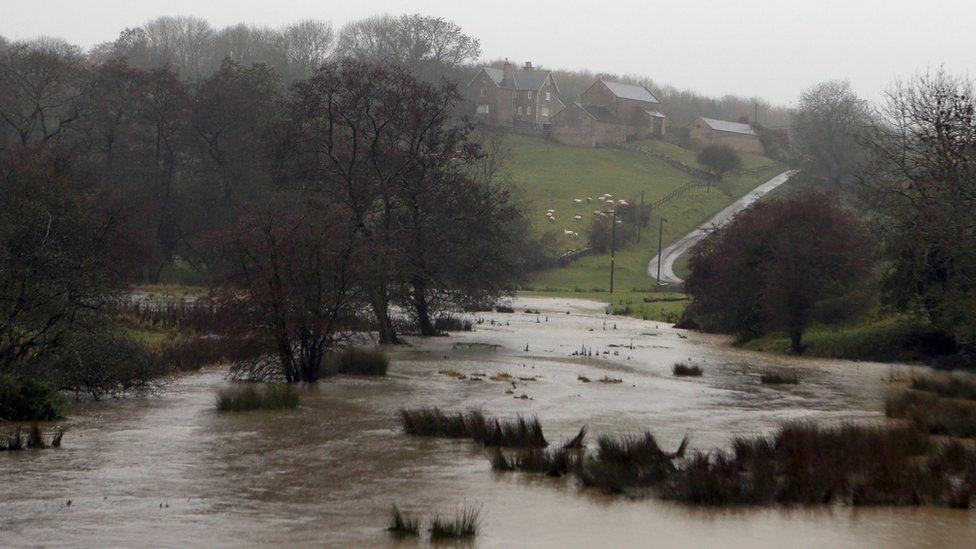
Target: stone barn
(737, 135)
(608, 113)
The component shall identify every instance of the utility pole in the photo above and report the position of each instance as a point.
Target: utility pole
(640, 217)
(613, 244)
(660, 242)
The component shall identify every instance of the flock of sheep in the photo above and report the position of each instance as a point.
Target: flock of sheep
(604, 198)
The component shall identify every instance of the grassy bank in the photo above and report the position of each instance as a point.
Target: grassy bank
(883, 339)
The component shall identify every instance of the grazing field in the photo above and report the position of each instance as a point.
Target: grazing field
(552, 176)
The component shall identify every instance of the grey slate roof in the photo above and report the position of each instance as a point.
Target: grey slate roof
(628, 91)
(529, 80)
(523, 79)
(654, 114)
(600, 113)
(726, 126)
(497, 75)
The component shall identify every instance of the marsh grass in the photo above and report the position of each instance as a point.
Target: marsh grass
(775, 378)
(403, 525)
(519, 432)
(626, 464)
(361, 362)
(954, 386)
(504, 309)
(465, 524)
(686, 370)
(554, 462)
(250, 397)
(933, 414)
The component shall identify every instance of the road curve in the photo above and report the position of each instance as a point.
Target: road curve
(673, 251)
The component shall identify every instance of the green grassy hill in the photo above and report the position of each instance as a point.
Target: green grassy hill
(551, 176)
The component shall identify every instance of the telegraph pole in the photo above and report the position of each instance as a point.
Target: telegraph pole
(613, 244)
(640, 217)
(660, 242)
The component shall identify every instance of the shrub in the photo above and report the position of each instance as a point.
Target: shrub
(504, 309)
(721, 159)
(774, 378)
(403, 525)
(28, 400)
(362, 362)
(275, 396)
(682, 369)
(464, 524)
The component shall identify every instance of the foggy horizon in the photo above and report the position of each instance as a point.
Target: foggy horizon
(754, 49)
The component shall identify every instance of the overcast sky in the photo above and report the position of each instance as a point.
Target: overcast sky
(769, 48)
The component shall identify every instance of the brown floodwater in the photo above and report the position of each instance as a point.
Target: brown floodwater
(170, 471)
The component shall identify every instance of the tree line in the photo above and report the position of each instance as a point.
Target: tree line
(306, 206)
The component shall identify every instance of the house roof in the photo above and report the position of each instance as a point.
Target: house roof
(654, 114)
(726, 126)
(600, 113)
(629, 91)
(522, 79)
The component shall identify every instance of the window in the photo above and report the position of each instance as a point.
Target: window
(530, 95)
(528, 111)
(545, 111)
(547, 96)
(484, 92)
(519, 111)
(483, 109)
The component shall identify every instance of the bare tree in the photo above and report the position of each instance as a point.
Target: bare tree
(186, 42)
(827, 125)
(43, 87)
(922, 181)
(307, 45)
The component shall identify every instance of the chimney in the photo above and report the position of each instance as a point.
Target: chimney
(507, 70)
(528, 66)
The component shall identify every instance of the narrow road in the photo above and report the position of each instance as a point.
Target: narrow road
(672, 252)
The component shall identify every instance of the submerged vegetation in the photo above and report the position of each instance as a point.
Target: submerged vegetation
(493, 432)
(688, 370)
(362, 362)
(403, 525)
(801, 463)
(250, 397)
(464, 524)
(779, 378)
(19, 439)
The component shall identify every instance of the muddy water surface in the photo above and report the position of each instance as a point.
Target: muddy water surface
(170, 471)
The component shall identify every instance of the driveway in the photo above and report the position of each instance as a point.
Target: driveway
(673, 251)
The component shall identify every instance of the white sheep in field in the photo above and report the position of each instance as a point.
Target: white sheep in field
(609, 202)
(577, 200)
(589, 199)
(568, 232)
(552, 220)
(609, 195)
(623, 203)
(577, 217)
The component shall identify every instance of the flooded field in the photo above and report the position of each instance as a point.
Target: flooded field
(169, 470)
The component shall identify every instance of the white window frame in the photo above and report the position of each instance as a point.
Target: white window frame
(528, 110)
(519, 111)
(484, 108)
(530, 94)
(547, 96)
(545, 111)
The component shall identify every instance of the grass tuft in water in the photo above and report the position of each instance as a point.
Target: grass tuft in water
(275, 396)
(451, 323)
(686, 370)
(403, 525)
(432, 422)
(775, 378)
(463, 525)
(955, 386)
(361, 362)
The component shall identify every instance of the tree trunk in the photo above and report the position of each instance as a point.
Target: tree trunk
(423, 310)
(796, 340)
(381, 310)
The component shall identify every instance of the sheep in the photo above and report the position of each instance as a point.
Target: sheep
(552, 220)
(577, 217)
(577, 200)
(568, 232)
(623, 203)
(589, 199)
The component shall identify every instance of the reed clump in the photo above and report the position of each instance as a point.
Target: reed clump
(465, 524)
(519, 432)
(777, 378)
(687, 370)
(361, 362)
(250, 397)
(955, 386)
(403, 525)
(933, 414)
(451, 323)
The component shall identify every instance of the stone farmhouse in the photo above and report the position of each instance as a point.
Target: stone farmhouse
(738, 136)
(521, 99)
(610, 112)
